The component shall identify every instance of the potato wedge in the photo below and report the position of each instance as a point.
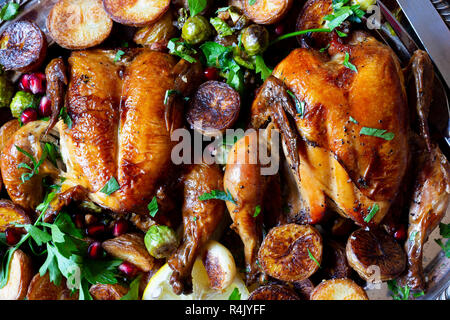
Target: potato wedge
(107, 291)
(79, 24)
(267, 11)
(7, 131)
(41, 288)
(11, 213)
(23, 47)
(130, 247)
(338, 289)
(20, 274)
(136, 13)
(273, 292)
(291, 252)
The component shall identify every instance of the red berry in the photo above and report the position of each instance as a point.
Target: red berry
(400, 234)
(211, 73)
(95, 250)
(24, 83)
(45, 107)
(36, 83)
(28, 115)
(128, 269)
(12, 236)
(96, 230)
(279, 30)
(120, 227)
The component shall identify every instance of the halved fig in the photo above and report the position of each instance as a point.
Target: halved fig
(107, 291)
(338, 289)
(304, 288)
(78, 24)
(367, 250)
(130, 247)
(267, 11)
(136, 13)
(214, 108)
(219, 265)
(23, 47)
(41, 288)
(20, 274)
(273, 292)
(11, 213)
(291, 252)
(7, 131)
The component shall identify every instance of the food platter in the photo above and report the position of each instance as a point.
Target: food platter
(436, 265)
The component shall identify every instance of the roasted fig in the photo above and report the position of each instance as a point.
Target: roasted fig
(130, 247)
(291, 252)
(107, 291)
(267, 11)
(338, 289)
(273, 292)
(367, 250)
(136, 13)
(41, 288)
(78, 24)
(22, 47)
(304, 288)
(214, 108)
(11, 213)
(334, 261)
(20, 274)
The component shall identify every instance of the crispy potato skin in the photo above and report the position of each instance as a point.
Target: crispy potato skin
(135, 152)
(273, 292)
(11, 213)
(338, 289)
(107, 291)
(20, 275)
(23, 47)
(284, 252)
(136, 13)
(78, 24)
(41, 288)
(267, 11)
(365, 169)
(311, 17)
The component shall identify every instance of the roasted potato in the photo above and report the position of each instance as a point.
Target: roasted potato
(7, 131)
(130, 247)
(136, 13)
(23, 47)
(311, 17)
(291, 252)
(214, 108)
(41, 288)
(11, 213)
(334, 261)
(78, 24)
(20, 274)
(267, 11)
(273, 292)
(157, 35)
(338, 289)
(107, 291)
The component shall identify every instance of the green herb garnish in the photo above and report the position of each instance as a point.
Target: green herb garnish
(372, 211)
(36, 164)
(153, 207)
(133, 292)
(119, 55)
(235, 295)
(444, 231)
(169, 93)
(222, 28)
(312, 257)
(217, 194)
(353, 120)
(181, 49)
(65, 117)
(257, 211)
(347, 63)
(9, 11)
(299, 105)
(261, 67)
(197, 6)
(379, 133)
(110, 187)
(401, 293)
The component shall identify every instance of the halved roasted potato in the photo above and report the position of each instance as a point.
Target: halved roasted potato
(311, 17)
(267, 11)
(11, 213)
(136, 13)
(79, 24)
(23, 47)
(107, 291)
(7, 131)
(130, 247)
(273, 292)
(41, 288)
(291, 252)
(338, 289)
(20, 274)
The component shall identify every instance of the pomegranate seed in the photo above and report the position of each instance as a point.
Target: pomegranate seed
(120, 227)
(78, 219)
(24, 83)
(12, 236)
(96, 230)
(36, 84)
(211, 73)
(41, 76)
(95, 250)
(45, 107)
(128, 269)
(279, 29)
(400, 234)
(28, 115)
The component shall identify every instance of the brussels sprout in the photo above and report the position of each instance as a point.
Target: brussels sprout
(364, 4)
(255, 39)
(160, 241)
(6, 91)
(21, 101)
(196, 30)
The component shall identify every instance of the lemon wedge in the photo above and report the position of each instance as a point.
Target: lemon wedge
(204, 287)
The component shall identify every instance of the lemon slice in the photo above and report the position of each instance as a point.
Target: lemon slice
(159, 288)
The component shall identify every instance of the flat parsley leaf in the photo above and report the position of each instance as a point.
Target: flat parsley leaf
(261, 67)
(153, 207)
(9, 11)
(257, 211)
(110, 187)
(133, 292)
(181, 49)
(402, 293)
(444, 231)
(235, 295)
(65, 117)
(347, 63)
(119, 55)
(379, 133)
(251, 2)
(217, 194)
(36, 164)
(197, 6)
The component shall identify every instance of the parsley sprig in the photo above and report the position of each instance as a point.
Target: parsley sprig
(182, 50)
(444, 231)
(217, 194)
(36, 164)
(402, 293)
